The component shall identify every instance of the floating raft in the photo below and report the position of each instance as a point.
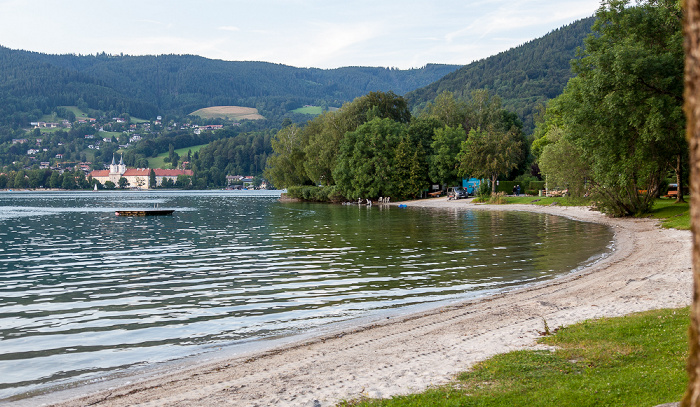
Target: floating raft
(145, 212)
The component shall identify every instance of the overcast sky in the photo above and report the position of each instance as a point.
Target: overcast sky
(303, 33)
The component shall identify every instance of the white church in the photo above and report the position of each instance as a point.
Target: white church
(136, 177)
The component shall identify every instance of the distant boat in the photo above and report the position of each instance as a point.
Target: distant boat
(95, 189)
(144, 212)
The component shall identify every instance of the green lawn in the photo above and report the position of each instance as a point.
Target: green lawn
(77, 112)
(671, 214)
(635, 360)
(157, 162)
(535, 200)
(103, 134)
(313, 110)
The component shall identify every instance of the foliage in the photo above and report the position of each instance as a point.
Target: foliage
(285, 167)
(243, 154)
(524, 77)
(489, 153)
(315, 194)
(366, 159)
(446, 146)
(622, 114)
(565, 166)
(325, 132)
(635, 360)
(410, 174)
(145, 86)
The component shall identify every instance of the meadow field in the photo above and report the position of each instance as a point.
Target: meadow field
(228, 113)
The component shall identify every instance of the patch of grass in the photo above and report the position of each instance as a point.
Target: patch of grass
(535, 200)
(312, 110)
(79, 114)
(635, 360)
(104, 134)
(234, 113)
(158, 161)
(671, 214)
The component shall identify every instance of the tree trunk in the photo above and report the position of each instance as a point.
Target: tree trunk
(679, 179)
(691, 27)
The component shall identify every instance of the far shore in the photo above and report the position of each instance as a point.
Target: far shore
(649, 269)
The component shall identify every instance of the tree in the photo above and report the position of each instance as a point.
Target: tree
(489, 153)
(365, 161)
(410, 175)
(449, 110)
(152, 178)
(564, 165)
(167, 183)
(285, 167)
(484, 110)
(183, 181)
(68, 180)
(123, 182)
(624, 109)
(444, 162)
(21, 180)
(109, 185)
(324, 134)
(54, 180)
(692, 111)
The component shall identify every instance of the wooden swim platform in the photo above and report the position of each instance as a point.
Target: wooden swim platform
(145, 212)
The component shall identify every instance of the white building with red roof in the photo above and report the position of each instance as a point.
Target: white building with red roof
(136, 177)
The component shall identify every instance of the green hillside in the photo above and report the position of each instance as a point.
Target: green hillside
(523, 77)
(33, 84)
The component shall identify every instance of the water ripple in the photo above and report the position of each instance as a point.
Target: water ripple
(83, 292)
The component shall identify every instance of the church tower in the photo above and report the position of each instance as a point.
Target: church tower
(122, 166)
(113, 169)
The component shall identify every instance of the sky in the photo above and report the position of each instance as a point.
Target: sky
(303, 33)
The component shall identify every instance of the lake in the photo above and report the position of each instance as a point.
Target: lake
(85, 293)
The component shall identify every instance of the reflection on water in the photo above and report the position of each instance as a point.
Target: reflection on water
(83, 291)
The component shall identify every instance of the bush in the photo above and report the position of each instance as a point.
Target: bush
(537, 185)
(315, 194)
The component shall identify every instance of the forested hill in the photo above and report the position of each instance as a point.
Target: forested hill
(523, 76)
(145, 86)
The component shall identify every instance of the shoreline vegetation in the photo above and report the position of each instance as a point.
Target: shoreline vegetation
(650, 269)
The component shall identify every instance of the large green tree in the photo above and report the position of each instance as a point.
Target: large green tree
(624, 109)
(366, 160)
(444, 163)
(489, 153)
(410, 175)
(285, 167)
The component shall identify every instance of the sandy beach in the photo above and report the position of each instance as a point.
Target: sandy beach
(650, 268)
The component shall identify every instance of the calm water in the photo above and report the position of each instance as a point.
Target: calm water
(84, 292)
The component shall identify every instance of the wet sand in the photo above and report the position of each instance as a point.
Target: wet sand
(649, 269)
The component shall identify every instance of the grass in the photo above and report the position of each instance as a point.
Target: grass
(545, 201)
(672, 215)
(104, 134)
(158, 162)
(234, 113)
(312, 110)
(635, 360)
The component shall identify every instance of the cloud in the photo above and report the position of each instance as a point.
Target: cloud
(229, 28)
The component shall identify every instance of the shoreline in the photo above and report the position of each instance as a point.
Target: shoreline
(650, 268)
